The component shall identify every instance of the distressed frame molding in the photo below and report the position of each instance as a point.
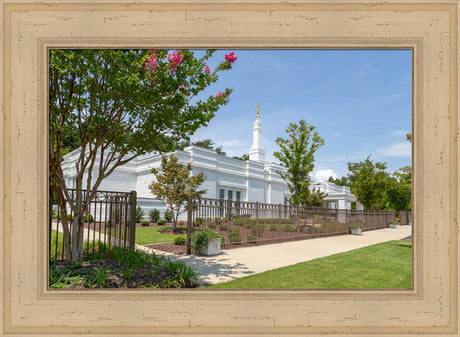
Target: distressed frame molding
(430, 28)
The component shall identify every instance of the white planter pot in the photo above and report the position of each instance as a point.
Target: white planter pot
(213, 248)
(356, 231)
(392, 225)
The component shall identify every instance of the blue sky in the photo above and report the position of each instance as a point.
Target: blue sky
(358, 100)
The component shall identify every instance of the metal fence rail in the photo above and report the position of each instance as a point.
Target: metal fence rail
(110, 221)
(252, 223)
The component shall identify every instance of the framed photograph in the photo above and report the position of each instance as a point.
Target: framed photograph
(430, 29)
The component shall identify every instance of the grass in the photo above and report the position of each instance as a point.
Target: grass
(150, 235)
(381, 266)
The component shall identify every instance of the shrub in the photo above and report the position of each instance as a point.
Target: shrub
(356, 225)
(180, 240)
(89, 218)
(139, 213)
(154, 215)
(273, 228)
(53, 214)
(249, 224)
(223, 227)
(198, 222)
(168, 215)
(200, 239)
(161, 222)
(251, 238)
(234, 235)
(290, 228)
(69, 217)
(218, 221)
(211, 225)
(145, 223)
(259, 231)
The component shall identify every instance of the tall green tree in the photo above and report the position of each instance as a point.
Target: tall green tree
(368, 182)
(174, 184)
(297, 155)
(343, 181)
(399, 189)
(117, 105)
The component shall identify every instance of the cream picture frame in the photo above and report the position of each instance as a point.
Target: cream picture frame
(429, 28)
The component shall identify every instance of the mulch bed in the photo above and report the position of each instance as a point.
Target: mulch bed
(141, 277)
(169, 247)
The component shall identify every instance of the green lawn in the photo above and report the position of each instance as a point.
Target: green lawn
(148, 235)
(381, 266)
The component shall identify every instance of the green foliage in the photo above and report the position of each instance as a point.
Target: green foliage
(150, 235)
(89, 218)
(223, 228)
(244, 156)
(356, 225)
(368, 181)
(314, 198)
(139, 213)
(234, 235)
(125, 264)
(168, 215)
(122, 103)
(154, 215)
(145, 223)
(209, 144)
(258, 230)
(161, 222)
(180, 240)
(296, 154)
(273, 228)
(343, 181)
(175, 184)
(198, 222)
(200, 239)
(399, 189)
(251, 238)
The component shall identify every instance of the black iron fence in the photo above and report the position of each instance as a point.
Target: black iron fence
(110, 221)
(252, 223)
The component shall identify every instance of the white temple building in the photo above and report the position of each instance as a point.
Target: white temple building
(226, 178)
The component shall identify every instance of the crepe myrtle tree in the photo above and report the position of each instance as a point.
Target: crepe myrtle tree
(119, 104)
(174, 184)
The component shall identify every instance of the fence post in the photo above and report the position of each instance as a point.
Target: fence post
(189, 225)
(257, 223)
(279, 223)
(298, 222)
(132, 220)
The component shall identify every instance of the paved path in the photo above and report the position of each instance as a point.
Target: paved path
(240, 262)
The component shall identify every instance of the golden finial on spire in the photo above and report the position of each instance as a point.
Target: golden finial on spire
(257, 113)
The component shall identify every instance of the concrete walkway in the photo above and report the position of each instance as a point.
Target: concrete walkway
(240, 262)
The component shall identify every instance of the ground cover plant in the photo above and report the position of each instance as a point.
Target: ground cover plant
(121, 268)
(381, 266)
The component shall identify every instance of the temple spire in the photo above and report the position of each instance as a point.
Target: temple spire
(257, 152)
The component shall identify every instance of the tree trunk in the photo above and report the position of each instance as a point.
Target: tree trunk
(77, 238)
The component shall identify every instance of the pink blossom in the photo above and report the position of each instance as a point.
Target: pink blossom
(207, 70)
(182, 86)
(152, 63)
(176, 58)
(219, 94)
(230, 58)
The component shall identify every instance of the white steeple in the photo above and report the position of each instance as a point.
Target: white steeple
(257, 152)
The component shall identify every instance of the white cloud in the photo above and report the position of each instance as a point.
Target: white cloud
(396, 150)
(323, 175)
